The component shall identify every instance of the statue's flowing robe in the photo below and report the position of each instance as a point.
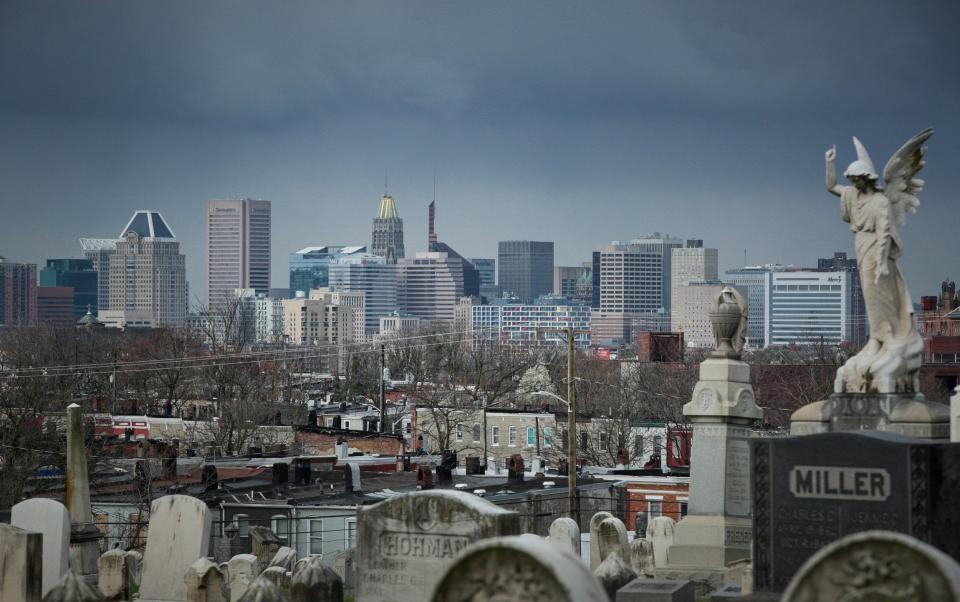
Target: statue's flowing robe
(889, 308)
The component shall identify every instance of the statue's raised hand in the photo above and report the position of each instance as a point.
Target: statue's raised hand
(831, 154)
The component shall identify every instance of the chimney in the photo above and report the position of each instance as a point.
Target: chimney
(424, 477)
(515, 469)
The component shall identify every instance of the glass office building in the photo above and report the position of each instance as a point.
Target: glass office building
(78, 274)
(310, 266)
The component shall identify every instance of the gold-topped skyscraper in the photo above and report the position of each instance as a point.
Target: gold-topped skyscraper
(387, 231)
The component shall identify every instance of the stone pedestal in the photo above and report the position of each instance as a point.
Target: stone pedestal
(908, 414)
(717, 529)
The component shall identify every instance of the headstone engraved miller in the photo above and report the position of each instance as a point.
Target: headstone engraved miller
(717, 529)
(404, 543)
(815, 489)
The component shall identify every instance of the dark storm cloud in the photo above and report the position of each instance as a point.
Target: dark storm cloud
(675, 116)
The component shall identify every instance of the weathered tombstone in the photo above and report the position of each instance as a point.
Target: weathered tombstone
(204, 582)
(112, 577)
(343, 566)
(612, 539)
(84, 535)
(955, 415)
(315, 582)
(640, 524)
(660, 533)
(806, 499)
(21, 565)
(595, 521)
(657, 590)
(263, 590)
(51, 519)
(405, 542)
(876, 565)
(133, 563)
(241, 571)
(277, 575)
(73, 587)
(565, 534)
(525, 568)
(285, 558)
(179, 534)
(642, 557)
(613, 573)
(264, 544)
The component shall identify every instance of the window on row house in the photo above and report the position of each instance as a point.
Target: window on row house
(477, 432)
(351, 533)
(548, 437)
(531, 437)
(512, 436)
(459, 432)
(242, 521)
(654, 508)
(281, 526)
(495, 436)
(316, 536)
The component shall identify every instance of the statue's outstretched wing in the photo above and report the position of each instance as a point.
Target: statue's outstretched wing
(898, 174)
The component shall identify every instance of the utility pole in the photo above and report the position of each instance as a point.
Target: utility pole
(383, 403)
(571, 419)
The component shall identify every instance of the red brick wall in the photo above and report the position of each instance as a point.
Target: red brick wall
(637, 498)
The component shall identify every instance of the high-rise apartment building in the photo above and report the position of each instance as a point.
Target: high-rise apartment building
(238, 248)
(430, 285)
(98, 251)
(692, 263)
(18, 293)
(387, 231)
(310, 266)
(371, 275)
(635, 276)
(525, 268)
(79, 275)
(148, 272)
(356, 301)
(316, 322)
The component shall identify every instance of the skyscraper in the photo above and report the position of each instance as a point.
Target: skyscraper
(811, 307)
(758, 282)
(690, 264)
(430, 285)
(18, 293)
(238, 247)
(470, 274)
(565, 278)
(310, 266)
(79, 275)
(98, 251)
(387, 231)
(370, 274)
(525, 268)
(147, 272)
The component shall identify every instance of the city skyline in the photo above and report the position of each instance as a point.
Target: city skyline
(649, 118)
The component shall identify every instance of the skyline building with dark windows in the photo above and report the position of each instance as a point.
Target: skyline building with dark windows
(79, 275)
(525, 268)
(387, 239)
(238, 248)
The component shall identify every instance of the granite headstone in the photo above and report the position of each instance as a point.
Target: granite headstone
(49, 517)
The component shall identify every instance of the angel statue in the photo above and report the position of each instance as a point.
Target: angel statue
(890, 361)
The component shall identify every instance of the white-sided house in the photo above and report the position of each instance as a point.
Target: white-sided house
(323, 530)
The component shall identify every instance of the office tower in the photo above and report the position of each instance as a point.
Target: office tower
(310, 266)
(77, 274)
(691, 314)
(371, 275)
(691, 263)
(98, 251)
(55, 306)
(469, 273)
(148, 272)
(525, 268)
(566, 277)
(757, 281)
(812, 307)
(520, 322)
(387, 231)
(487, 270)
(238, 248)
(18, 293)
(860, 328)
(430, 285)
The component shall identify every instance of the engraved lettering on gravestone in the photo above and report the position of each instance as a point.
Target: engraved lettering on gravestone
(735, 536)
(405, 545)
(738, 478)
(840, 483)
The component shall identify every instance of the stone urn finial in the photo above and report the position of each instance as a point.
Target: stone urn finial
(729, 319)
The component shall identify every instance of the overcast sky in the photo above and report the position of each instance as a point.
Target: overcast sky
(574, 122)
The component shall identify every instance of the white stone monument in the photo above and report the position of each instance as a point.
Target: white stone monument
(717, 529)
(595, 521)
(241, 572)
(50, 518)
(178, 535)
(660, 532)
(84, 535)
(565, 534)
